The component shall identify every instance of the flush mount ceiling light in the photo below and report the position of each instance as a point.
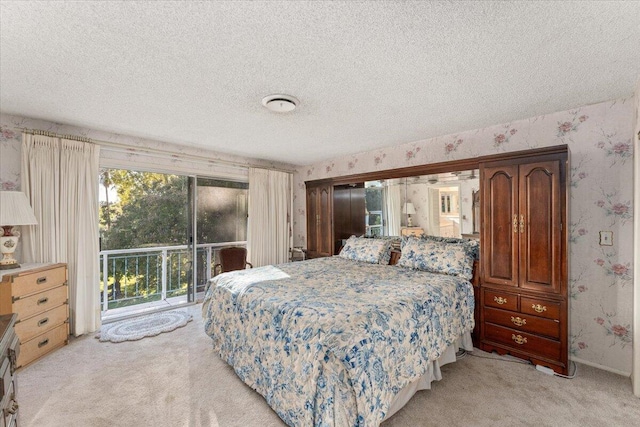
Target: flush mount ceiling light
(280, 103)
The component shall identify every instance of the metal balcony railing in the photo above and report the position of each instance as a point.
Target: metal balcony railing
(143, 275)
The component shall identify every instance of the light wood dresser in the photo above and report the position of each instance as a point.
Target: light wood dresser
(38, 295)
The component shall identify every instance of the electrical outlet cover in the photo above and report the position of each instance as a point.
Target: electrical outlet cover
(606, 238)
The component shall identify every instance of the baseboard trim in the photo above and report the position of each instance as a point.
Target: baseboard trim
(599, 366)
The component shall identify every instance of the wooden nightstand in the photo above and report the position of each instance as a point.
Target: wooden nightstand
(411, 231)
(38, 294)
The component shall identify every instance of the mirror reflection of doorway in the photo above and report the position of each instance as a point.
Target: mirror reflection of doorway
(445, 204)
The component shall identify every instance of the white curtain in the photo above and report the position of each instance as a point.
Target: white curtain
(432, 227)
(269, 226)
(393, 206)
(60, 178)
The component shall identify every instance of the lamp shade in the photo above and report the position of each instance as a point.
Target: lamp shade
(408, 208)
(15, 209)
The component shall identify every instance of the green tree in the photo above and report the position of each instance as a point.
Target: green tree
(151, 210)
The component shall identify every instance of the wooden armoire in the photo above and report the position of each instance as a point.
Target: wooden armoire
(334, 213)
(524, 290)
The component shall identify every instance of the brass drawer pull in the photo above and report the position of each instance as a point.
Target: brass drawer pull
(46, 320)
(43, 300)
(539, 308)
(43, 342)
(515, 223)
(519, 339)
(521, 223)
(41, 280)
(500, 300)
(518, 321)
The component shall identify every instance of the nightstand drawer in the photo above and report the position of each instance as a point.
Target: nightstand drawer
(501, 300)
(38, 281)
(43, 344)
(521, 322)
(522, 341)
(36, 325)
(34, 304)
(539, 307)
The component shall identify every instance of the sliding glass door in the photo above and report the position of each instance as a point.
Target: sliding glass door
(145, 253)
(221, 220)
(147, 226)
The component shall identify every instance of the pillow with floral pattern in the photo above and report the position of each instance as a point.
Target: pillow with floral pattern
(374, 251)
(437, 257)
(472, 245)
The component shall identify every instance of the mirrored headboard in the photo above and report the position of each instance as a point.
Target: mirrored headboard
(439, 204)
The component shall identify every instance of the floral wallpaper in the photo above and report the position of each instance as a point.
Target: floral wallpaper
(601, 195)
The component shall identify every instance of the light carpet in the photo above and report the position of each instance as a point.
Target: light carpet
(140, 327)
(176, 379)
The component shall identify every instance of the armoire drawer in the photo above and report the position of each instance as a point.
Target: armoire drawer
(41, 323)
(540, 307)
(522, 322)
(38, 281)
(503, 300)
(522, 341)
(34, 304)
(42, 344)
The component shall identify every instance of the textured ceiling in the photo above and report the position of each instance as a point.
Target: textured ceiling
(367, 74)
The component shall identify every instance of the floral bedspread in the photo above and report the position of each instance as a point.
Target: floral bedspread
(330, 341)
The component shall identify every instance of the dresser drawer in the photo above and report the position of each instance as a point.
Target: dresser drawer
(34, 304)
(502, 300)
(521, 322)
(40, 323)
(42, 344)
(522, 341)
(38, 281)
(540, 307)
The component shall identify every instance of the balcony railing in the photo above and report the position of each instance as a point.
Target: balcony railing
(143, 275)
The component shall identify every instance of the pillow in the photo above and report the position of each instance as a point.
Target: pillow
(437, 257)
(374, 251)
(472, 245)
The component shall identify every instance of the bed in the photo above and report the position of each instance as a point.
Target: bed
(341, 341)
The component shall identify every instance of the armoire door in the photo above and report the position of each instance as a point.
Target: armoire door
(522, 220)
(500, 227)
(539, 226)
(313, 221)
(325, 225)
(319, 221)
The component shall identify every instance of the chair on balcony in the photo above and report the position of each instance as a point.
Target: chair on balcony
(231, 258)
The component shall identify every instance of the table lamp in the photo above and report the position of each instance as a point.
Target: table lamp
(409, 210)
(14, 210)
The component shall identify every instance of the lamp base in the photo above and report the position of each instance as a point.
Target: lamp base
(8, 245)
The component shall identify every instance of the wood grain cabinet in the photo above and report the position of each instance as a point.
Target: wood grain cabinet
(319, 220)
(524, 304)
(39, 297)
